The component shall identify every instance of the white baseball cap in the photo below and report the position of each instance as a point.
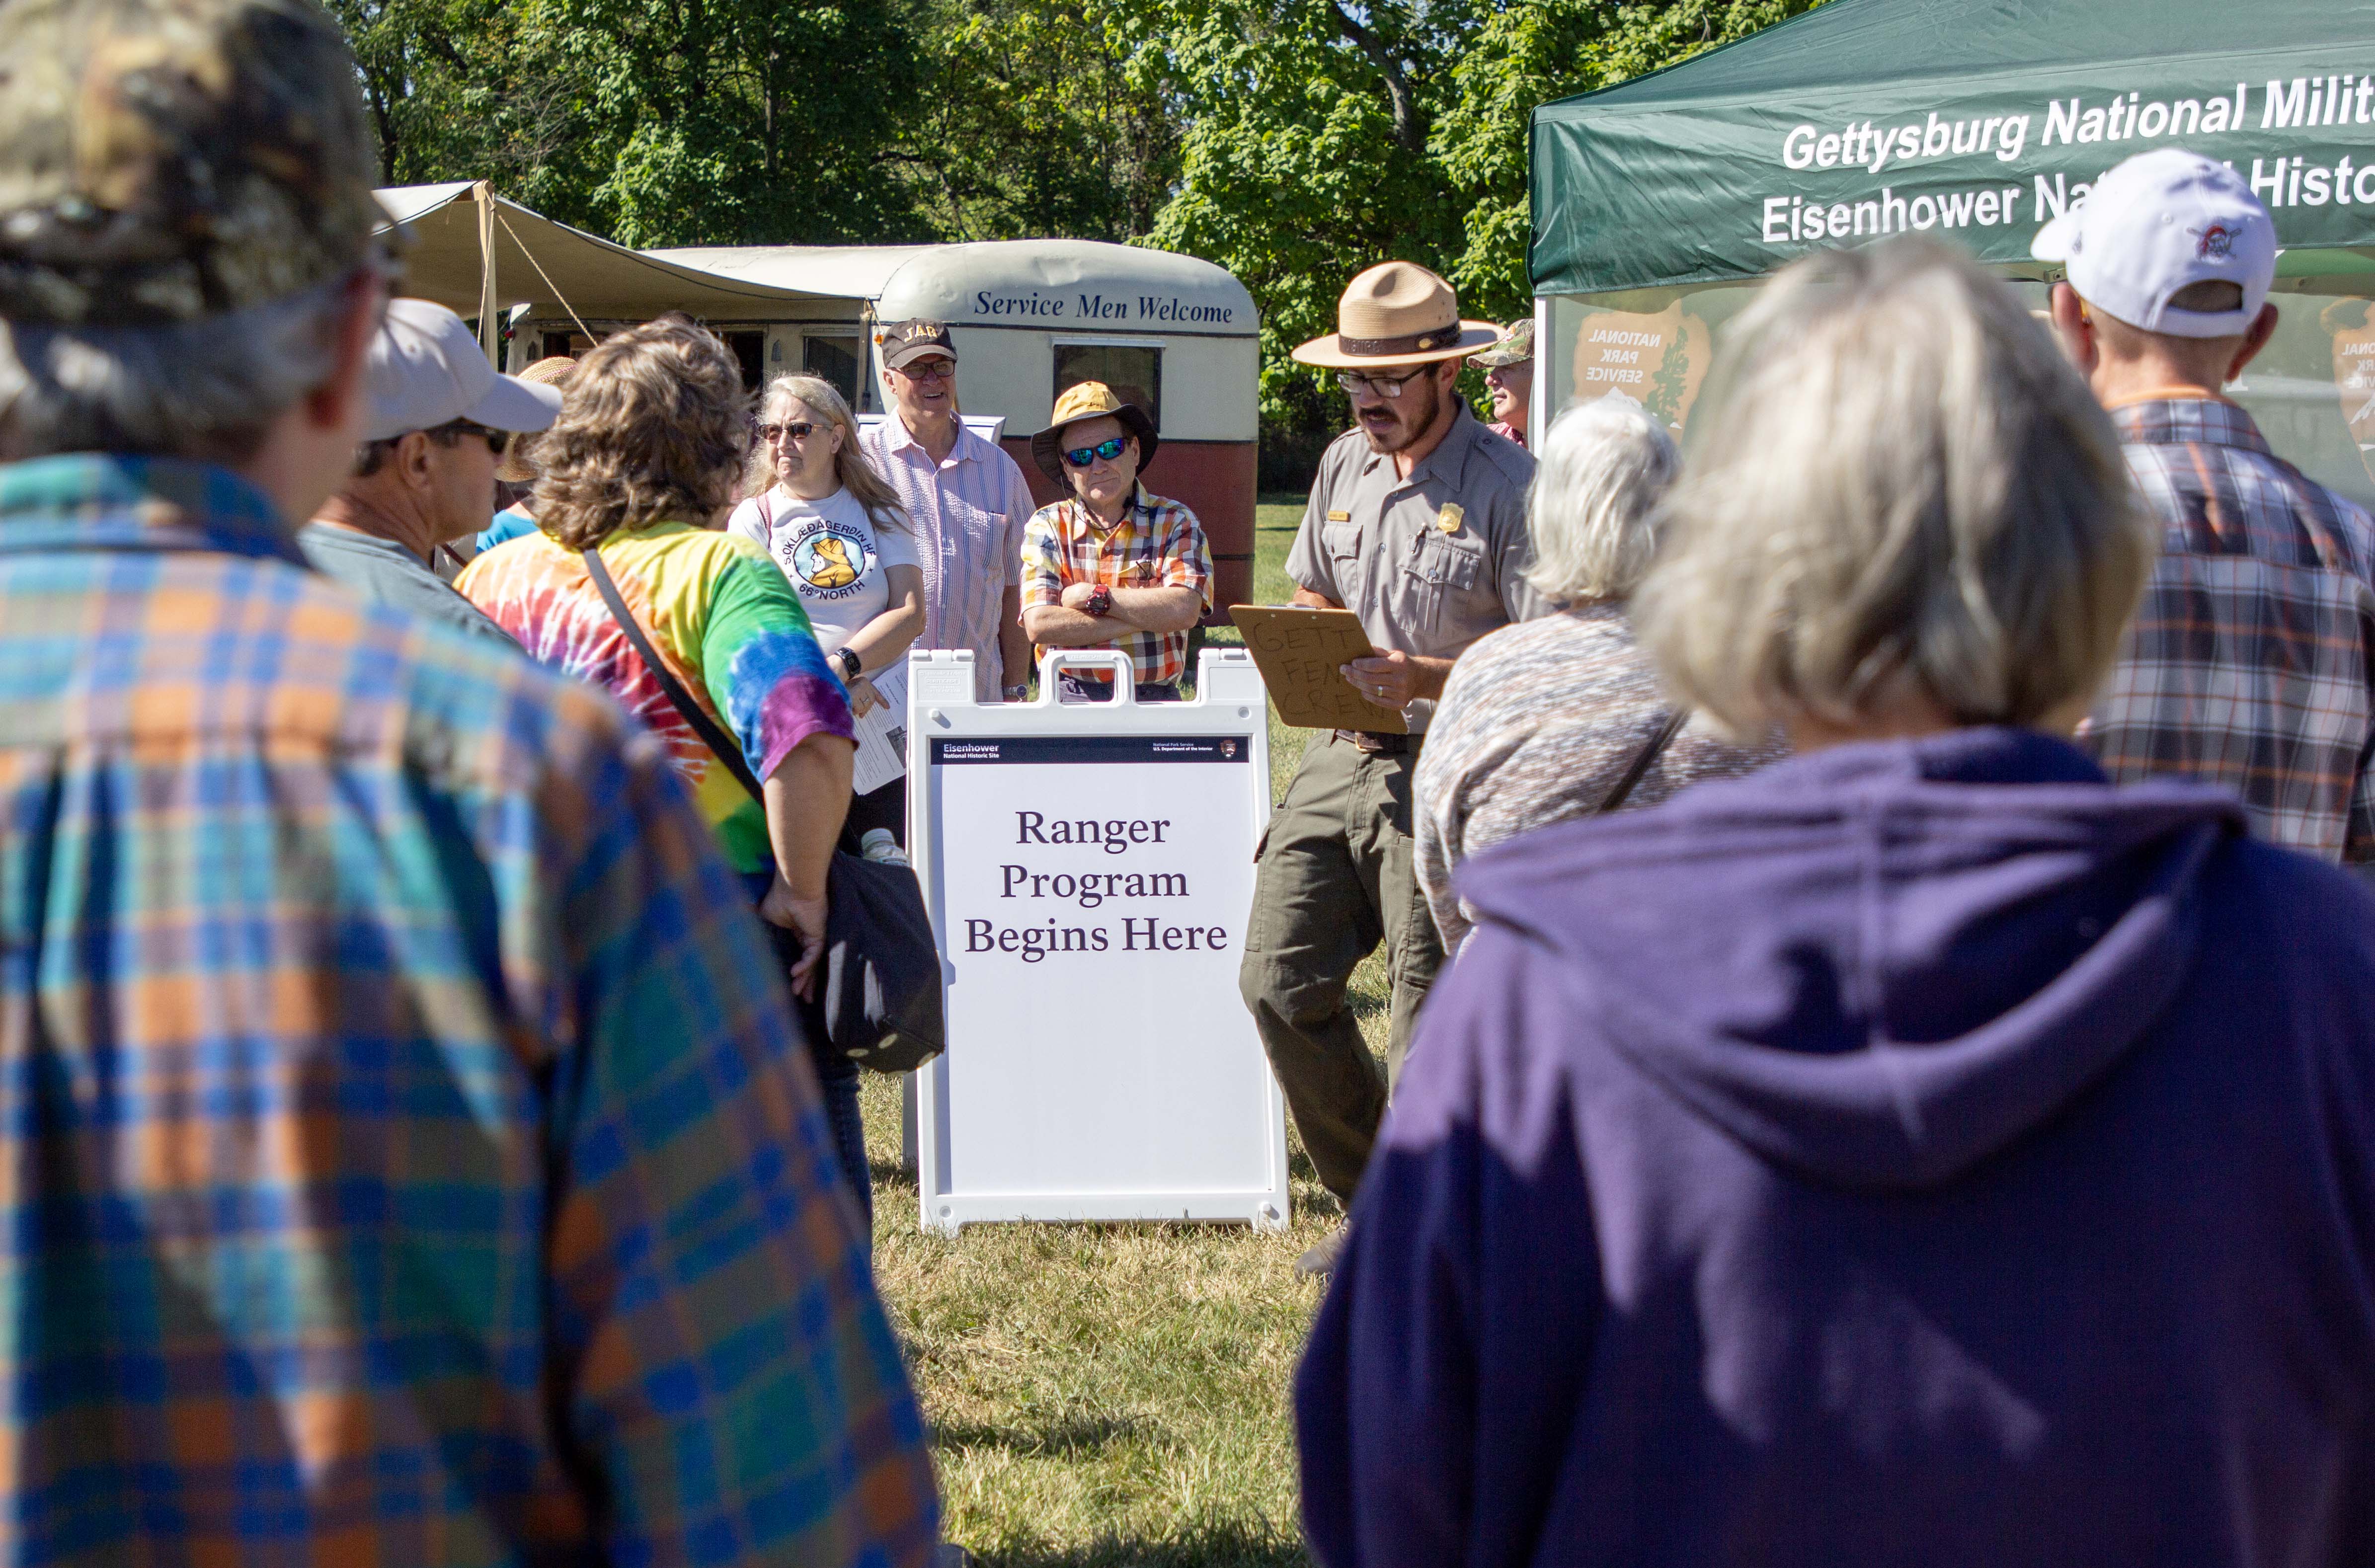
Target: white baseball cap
(2155, 224)
(426, 370)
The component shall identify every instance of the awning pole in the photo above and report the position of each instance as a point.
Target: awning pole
(489, 331)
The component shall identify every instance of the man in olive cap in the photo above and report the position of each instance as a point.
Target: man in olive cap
(410, 1152)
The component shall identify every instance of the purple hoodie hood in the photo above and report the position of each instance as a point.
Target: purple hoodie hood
(1881, 963)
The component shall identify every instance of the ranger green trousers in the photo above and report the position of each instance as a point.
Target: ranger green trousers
(1338, 875)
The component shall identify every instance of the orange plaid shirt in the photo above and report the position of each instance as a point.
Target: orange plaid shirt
(1157, 544)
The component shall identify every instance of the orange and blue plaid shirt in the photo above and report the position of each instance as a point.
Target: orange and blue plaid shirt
(1157, 544)
(407, 1153)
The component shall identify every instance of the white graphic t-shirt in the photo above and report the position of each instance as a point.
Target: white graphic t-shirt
(833, 555)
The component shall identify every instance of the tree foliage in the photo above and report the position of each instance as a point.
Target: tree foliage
(1293, 141)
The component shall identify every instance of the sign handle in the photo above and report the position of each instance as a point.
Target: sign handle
(1125, 683)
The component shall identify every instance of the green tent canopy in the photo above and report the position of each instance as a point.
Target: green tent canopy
(1658, 201)
(1990, 113)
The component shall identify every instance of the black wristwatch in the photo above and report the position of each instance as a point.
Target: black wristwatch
(851, 666)
(1100, 602)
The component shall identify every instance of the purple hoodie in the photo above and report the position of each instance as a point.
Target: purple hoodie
(1916, 1153)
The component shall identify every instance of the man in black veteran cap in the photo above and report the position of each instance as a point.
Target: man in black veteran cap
(1416, 524)
(356, 1202)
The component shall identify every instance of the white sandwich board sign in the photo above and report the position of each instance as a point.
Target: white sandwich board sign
(1089, 868)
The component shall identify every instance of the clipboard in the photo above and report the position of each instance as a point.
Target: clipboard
(1298, 651)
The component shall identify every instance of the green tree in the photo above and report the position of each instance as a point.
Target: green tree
(1323, 136)
(1034, 121)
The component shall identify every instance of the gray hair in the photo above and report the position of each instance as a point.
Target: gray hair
(1898, 488)
(1603, 467)
(207, 389)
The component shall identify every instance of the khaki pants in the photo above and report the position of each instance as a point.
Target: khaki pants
(1338, 875)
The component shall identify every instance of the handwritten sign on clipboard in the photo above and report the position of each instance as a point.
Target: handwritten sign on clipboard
(1300, 652)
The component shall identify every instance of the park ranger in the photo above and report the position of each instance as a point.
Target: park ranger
(1417, 525)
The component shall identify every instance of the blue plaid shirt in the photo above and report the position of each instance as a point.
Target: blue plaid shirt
(406, 1154)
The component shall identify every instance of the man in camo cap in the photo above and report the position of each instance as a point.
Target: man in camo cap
(368, 1172)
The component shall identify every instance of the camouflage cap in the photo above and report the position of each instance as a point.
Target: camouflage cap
(1517, 346)
(167, 160)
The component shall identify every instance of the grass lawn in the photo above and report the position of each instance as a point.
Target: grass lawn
(1113, 1393)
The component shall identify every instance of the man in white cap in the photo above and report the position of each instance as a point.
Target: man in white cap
(1417, 524)
(2247, 665)
(425, 474)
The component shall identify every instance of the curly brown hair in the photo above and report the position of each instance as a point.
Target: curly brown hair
(654, 430)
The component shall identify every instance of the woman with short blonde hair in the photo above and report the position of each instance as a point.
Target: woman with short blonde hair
(837, 530)
(1547, 720)
(637, 473)
(1922, 1150)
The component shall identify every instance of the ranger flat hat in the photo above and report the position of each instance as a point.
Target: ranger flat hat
(1397, 313)
(1091, 400)
(170, 161)
(903, 341)
(1517, 347)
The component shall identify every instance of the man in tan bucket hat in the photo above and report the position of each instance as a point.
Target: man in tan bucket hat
(1416, 524)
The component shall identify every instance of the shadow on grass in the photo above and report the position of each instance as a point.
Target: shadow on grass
(1071, 1437)
(1218, 1545)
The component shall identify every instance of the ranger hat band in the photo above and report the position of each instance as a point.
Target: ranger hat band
(1517, 347)
(2157, 224)
(902, 342)
(426, 370)
(173, 160)
(1397, 313)
(1091, 400)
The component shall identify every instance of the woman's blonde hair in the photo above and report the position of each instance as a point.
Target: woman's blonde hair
(655, 429)
(1895, 487)
(1602, 469)
(849, 465)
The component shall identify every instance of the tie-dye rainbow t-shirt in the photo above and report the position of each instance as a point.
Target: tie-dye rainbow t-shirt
(728, 625)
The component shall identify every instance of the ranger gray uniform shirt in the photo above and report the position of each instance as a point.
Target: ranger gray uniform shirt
(1422, 580)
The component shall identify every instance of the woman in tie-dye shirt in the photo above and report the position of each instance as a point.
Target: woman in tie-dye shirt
(641, 466)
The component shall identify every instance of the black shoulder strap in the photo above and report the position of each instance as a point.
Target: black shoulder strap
(1649, 752)
(729, 751)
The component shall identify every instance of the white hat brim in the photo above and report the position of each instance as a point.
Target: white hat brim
(512, 404)
(2055, 242)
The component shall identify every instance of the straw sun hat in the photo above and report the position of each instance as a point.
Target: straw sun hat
(1397, 313)
(549, 371)
(1091, 400)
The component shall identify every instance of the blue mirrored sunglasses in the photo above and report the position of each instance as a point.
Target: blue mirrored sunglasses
(1081, 456)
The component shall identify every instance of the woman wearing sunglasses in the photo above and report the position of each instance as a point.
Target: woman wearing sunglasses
(1114, 566)
(836, 528)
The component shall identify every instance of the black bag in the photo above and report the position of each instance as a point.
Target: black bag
(879, 984)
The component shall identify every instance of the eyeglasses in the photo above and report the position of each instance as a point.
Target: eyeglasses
(1356, 383)
(928, 370)
(800, 430)
(453, 430)
(1081, 456)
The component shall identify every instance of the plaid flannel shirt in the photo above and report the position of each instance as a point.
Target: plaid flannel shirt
(2251, 662)
(1157, 544)
(408, 1156)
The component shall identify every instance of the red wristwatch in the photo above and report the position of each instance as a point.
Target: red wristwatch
(1099, 603)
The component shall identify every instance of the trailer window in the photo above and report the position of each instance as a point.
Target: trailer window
(834, 359)
(1134, 372)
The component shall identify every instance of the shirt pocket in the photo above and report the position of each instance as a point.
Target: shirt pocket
(1340, 542)
(1443, 572)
